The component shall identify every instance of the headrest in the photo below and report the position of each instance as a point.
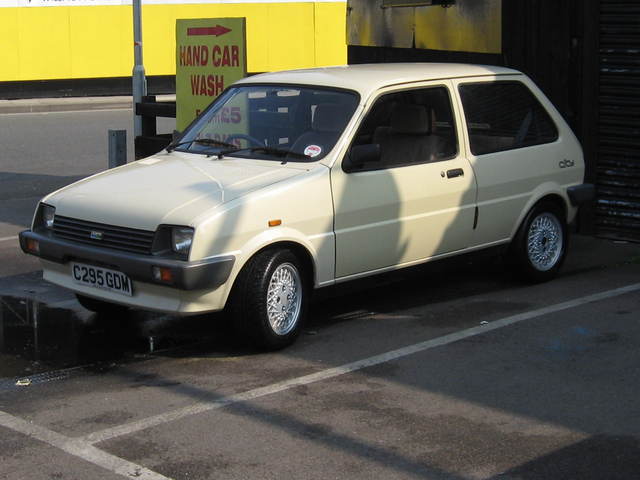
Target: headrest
(329, 117)
(411, 120)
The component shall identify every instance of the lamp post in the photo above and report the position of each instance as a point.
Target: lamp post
(138, 76)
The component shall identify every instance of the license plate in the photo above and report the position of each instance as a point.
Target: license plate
(99, 277)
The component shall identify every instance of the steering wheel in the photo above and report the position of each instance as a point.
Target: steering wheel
(248, 138)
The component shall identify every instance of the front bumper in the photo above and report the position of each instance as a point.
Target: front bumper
(206, 274)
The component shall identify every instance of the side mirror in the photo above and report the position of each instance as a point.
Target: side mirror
(360, 155)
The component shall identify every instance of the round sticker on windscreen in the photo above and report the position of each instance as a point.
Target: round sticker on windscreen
(313, 151)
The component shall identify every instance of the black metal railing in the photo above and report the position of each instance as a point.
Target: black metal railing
(151, 141)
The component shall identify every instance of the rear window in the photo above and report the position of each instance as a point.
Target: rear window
(504, 116)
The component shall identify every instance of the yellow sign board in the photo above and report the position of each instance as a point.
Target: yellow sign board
(210, 56)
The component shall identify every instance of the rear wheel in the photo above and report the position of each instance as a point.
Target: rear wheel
(540, 246)
(269, 300)
(100, 306)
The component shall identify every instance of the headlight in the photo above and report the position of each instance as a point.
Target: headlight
(47, 212)
(181, 238)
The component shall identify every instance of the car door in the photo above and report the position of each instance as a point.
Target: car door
(513, 149)
(418, 200)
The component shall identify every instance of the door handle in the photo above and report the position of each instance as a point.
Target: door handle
(456, 172)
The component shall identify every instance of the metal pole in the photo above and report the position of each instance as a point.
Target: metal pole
(139, 80)
(35, 312)
(117, 148)
(1, 326)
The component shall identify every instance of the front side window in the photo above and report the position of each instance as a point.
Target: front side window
(272, 122)
(504, 116)
(411, 127)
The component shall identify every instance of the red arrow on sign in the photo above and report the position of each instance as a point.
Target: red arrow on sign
(217, 30)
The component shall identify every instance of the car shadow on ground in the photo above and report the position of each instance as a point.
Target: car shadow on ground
(597, 457)
(49, 337)
(69, 335)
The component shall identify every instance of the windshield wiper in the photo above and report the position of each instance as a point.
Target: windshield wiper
(202, 141)
(281, 152)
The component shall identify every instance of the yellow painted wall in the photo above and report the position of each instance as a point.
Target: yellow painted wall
(41, 43)
(9, 56)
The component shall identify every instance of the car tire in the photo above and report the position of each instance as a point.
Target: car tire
(540, 245)
(269, 300)
(100, 306)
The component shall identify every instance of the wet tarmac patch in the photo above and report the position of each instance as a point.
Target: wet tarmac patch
(579, 340)
(36, 338)
(109, 418)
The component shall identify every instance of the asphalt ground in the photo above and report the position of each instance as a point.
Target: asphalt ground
(451, 370)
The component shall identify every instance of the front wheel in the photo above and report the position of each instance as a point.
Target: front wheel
(540, 246)
(269, 300)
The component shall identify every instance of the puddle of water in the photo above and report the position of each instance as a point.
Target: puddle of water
(35, 337)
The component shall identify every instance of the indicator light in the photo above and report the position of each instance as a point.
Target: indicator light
(33, 245)
(162, 274)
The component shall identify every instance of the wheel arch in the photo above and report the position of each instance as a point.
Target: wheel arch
(302, 252)
(556, 200)
(555, 197)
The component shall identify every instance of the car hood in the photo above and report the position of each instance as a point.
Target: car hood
(166, 188)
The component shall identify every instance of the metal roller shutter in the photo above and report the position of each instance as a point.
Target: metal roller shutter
(618, 164)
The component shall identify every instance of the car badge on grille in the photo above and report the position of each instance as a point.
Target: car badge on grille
(95, 235)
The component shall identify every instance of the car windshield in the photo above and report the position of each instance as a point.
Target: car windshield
(271, 122)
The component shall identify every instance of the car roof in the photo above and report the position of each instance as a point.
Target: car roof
(367, 78)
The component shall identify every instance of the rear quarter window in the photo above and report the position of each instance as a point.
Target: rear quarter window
(504, 116)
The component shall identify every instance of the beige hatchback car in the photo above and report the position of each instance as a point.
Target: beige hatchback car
(298, 180)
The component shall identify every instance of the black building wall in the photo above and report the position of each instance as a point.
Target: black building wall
(585, 55)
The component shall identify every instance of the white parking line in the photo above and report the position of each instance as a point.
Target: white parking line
(129, 428)
(80, 449)
(6, 239)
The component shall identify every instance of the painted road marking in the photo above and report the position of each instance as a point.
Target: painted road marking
(6, 239)
(160, 419)
(80, 449)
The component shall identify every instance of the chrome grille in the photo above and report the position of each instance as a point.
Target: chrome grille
(99, 234)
